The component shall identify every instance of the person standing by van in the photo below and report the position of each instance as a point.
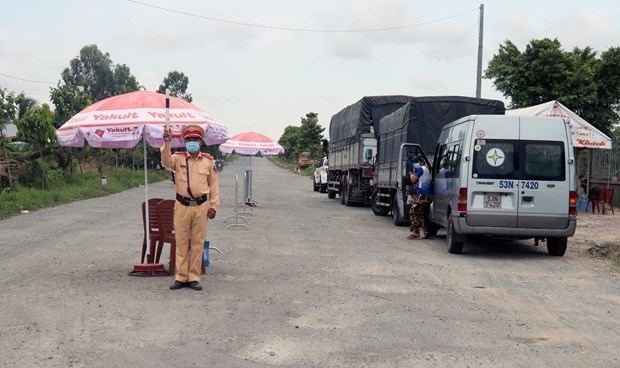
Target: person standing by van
(419, 212)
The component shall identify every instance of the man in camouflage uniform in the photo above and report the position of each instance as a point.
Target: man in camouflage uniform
(419, 212)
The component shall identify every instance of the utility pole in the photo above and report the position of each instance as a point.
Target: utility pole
(479, 74)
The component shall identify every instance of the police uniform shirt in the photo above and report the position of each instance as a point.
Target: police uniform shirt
(203, 178)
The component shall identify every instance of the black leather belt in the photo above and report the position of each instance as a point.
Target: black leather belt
(192, 202)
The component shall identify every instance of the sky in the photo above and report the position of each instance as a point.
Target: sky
(263, 65)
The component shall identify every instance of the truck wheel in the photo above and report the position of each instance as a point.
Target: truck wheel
(341, 189)
(315, 186)
(323, 187)
(556, 246)
(377, 209)
(331, 194)
(347, 194)
(454, 247)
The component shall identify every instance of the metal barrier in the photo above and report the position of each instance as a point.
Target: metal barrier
(237, 215)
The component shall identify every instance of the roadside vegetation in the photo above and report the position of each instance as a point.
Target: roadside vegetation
(291, 165)
(20, 199)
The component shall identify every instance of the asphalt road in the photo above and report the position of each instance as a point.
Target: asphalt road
(310, 283)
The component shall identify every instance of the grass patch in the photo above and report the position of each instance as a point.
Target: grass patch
(75, 188)
(290, 165)
(609, 251)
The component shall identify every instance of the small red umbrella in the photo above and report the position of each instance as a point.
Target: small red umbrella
(251, 144)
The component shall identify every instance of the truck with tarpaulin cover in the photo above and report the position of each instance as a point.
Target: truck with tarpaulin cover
(352, 147)
(413, 130)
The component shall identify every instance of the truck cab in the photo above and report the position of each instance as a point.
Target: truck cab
(319, 180)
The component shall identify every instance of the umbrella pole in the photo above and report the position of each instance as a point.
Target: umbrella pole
(146, 201)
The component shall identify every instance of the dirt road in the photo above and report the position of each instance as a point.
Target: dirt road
(311, 283)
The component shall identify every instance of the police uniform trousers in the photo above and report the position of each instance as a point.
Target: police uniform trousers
(190, 225)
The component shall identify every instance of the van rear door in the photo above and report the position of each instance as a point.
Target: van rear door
(493, 185)
(545, 181)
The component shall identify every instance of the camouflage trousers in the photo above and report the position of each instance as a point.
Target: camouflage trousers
(419, 212)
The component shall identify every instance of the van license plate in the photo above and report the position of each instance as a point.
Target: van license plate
(493, 200)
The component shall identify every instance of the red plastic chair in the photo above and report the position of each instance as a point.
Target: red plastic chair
(165, 214)
(599, 202)
(153, 230)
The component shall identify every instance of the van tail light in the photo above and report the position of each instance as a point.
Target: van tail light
(572, 203)
(462, 203)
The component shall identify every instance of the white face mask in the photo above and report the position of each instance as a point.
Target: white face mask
(192, 147)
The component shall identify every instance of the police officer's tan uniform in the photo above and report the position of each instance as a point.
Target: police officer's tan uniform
(190, 209)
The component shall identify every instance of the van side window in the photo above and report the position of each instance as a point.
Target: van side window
(544, 161)
(455, 153)
(443, 162)
(496, 159)
(449, 161)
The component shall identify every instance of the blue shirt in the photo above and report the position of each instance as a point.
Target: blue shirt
(424, 180)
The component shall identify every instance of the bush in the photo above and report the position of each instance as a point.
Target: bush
(64, 188)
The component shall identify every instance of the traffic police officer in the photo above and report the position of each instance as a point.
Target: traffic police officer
(196, 184)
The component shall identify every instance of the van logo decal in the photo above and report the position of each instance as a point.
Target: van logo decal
(495, 157)
(485, 182)
(480, 134)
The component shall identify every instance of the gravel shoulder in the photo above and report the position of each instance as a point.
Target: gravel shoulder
(311, 283)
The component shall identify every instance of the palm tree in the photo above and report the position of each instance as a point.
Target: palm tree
(24, 104)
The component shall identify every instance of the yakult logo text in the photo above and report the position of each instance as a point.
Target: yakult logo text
(173, 115)
(129, 115)
(119, 130)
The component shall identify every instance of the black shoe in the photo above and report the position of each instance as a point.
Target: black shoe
(195, 285)
(177, 285)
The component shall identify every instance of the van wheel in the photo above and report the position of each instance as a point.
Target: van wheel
(315, 185)
(556, 246)
(323, 187)
(454, 247)
(377, 209)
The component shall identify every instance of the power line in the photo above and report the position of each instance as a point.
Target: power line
(26, 80)
(302, 29)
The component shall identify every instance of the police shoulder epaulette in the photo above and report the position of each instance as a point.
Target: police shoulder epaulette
(208, 156)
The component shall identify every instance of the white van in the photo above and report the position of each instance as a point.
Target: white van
(505, 176)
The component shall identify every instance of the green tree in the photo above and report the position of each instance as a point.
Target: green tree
(289, 140)
(176, 83)
(304, 138)
(8, 108)
(99, 76)
(24, 104)
(544, 71)
(36, 127)
(68, 101)
(8, 111)
(311, 135)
